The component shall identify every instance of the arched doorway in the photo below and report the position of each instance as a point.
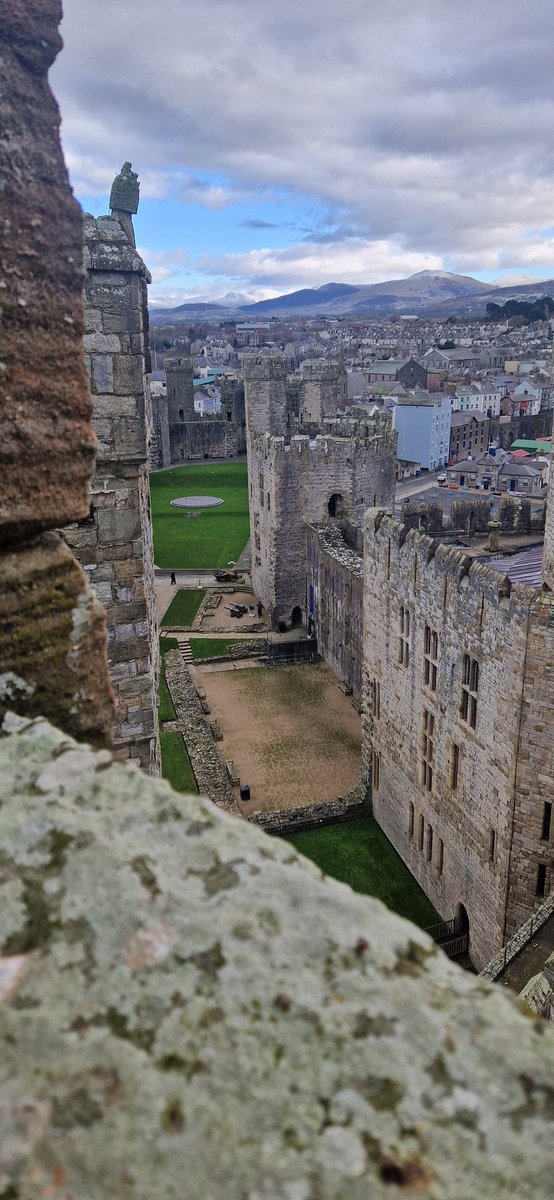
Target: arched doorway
(335, 505)
(296, 617)
(462, 919)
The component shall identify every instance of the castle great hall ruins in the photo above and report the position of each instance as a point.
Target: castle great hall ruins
(170, 976)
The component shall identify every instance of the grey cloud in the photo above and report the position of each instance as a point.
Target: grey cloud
(428, 122)
(255, 224)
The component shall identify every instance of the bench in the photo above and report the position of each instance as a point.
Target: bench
(233, 773)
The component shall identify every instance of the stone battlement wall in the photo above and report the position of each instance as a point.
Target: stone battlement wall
(114, 543)
(457, 838)
(335, 602)
(187, 976)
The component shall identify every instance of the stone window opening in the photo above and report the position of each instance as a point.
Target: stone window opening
(492, 845)
(376, 699)
(455, 767)
(429, 844)
(411, 821)
(181, 414)
(421, 833)
(541, 880)
(404, 637)
(470, 687)
(376, 771)
(427, 749)
(440, 857)
(431, 657)
(268, 502)
(546, 821)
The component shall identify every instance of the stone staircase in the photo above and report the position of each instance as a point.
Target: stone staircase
(184, 647)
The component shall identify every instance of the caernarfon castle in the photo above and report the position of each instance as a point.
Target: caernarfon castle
(450, 661)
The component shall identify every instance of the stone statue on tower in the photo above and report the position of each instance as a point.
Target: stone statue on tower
(124, 199)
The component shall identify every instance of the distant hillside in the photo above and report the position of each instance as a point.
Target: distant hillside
(432, 293)
(416, 292)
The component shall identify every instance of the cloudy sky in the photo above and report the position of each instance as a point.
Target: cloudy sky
(290, 144)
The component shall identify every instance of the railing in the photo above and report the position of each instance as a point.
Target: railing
(455, 946)
(301, 651)
(442, 930)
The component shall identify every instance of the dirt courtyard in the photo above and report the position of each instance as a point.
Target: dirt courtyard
(293, 736)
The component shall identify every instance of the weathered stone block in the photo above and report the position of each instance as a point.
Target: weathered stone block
(117, 526)
(52, 639)
(176, 914)
(102, 373)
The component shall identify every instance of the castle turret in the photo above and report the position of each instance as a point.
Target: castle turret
(323, 391)
(180, 391)
(265, 391)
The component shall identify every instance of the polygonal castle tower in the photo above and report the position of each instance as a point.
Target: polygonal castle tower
(293, 481)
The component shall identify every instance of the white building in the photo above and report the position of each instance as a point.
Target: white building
(423, 424)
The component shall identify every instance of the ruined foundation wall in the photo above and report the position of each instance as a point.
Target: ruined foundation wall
(52, 630)
(335, 602)
(457, 841)
(114, 544)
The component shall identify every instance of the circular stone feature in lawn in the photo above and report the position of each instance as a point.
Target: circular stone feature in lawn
(196, 502)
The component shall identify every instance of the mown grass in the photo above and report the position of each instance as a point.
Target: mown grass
(166, 711)
(167, 643)
(184, 607)
(358, 853)
(216, 534)
(212, 647)
(176, 766)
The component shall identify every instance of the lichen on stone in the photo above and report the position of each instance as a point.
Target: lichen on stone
(189, 1010)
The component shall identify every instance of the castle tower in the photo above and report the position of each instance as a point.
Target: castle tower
(265, 392)
(309, 481)
(323, 391)
(180, 390)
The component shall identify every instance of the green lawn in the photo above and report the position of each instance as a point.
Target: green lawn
(167, 643)
(184, 607)
(217, 534)
(358, 853)
(176, 766)
(212, 647)
(166, 711)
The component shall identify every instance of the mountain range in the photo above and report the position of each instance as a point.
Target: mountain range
(432, 293)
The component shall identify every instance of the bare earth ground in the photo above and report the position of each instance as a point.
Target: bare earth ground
(294, 737)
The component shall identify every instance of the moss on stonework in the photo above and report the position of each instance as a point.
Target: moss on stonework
(190, 1009)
